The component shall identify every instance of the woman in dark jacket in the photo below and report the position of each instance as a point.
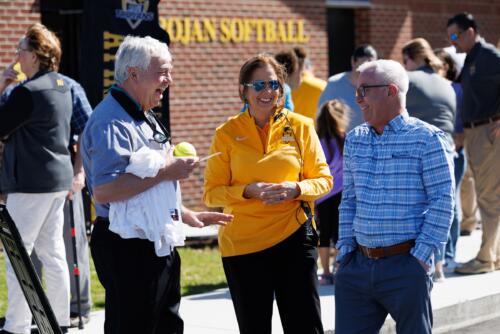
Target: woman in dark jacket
(36, 171)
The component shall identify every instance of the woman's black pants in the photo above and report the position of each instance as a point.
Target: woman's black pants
(285, 272)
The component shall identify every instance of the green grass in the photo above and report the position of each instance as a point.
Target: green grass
(201, 271)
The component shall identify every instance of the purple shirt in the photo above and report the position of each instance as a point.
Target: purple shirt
(335, 164)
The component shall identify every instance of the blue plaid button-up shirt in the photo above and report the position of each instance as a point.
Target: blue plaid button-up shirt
(81, 108)
(397, 186)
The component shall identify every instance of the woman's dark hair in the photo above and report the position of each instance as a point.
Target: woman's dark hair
(332, 123)
(45, 44)
(301, 54)
(364, 51)
(420, 49)
(289, 60)
(463, 21)
(254, 63)
(451, 72)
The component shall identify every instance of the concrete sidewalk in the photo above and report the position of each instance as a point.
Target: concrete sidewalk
(458, 302)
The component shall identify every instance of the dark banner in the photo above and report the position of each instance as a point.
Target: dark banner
(105, 24)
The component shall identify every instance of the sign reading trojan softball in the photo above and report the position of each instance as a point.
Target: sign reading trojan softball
(105, 24)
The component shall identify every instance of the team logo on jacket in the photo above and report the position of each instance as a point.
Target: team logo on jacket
(287, 134)
(134, 11)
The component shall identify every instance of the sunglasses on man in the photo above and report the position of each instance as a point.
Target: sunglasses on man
(259, 85)
(159, 137)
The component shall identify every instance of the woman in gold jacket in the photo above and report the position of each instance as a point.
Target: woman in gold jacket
(270, 170)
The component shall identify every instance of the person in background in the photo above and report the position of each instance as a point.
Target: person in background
(331, 128)
(142, 289)
(480, 80)
(306, 96)
(431, 99)
(270, 171)
(36, 171)
(81, 111)
(449, 71)
(468, 200)
(396, 209)
(293, 69)
(342, 86)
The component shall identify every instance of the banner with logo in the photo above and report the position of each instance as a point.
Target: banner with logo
(105, 24)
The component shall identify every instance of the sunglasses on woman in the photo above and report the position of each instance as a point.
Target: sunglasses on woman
(259, 85)
(454, 36)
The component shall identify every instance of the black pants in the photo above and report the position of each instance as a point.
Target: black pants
(328, 217)
(142, 289)
(287, 272)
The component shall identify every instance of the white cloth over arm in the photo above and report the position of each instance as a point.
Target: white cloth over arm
(154, 214)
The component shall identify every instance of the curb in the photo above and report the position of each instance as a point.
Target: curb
(458, 316)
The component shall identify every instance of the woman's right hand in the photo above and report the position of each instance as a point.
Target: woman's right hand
(272, 193)
(255, 190)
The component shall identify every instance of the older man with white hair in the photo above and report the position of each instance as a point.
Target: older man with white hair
(142, 288)
(396, 209)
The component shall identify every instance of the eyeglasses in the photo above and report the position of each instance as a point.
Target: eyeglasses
(361, 90)
(454, 36)
(160, 138)
(259, 85)
(19, 49)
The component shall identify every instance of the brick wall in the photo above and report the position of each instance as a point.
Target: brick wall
(389, 24)
(15, 18)
(205, 89)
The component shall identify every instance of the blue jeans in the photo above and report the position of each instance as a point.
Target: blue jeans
(366, 290)
(448, 252)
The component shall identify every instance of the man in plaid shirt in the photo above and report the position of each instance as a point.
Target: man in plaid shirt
(396, 209)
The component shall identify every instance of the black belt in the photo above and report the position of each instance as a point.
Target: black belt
(470, 125)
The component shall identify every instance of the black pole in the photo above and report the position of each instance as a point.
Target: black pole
(76, 270)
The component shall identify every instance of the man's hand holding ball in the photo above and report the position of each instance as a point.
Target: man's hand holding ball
(184, 149)
(183, 162)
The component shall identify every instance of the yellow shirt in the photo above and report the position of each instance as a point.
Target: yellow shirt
(306, 96)
(257, 226)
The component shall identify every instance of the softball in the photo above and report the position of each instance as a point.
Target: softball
(184, 149)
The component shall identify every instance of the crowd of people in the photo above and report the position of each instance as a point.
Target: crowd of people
(368, 166)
